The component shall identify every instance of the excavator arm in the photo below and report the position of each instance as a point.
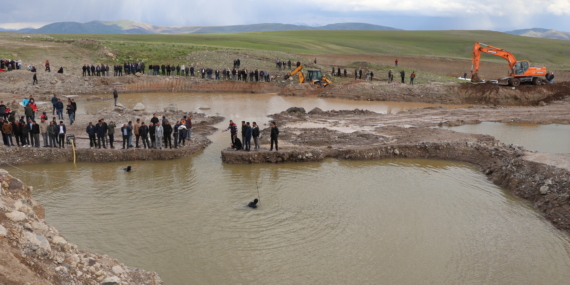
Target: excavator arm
(479, 48)
(297, 71)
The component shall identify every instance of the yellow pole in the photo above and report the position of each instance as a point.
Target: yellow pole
(73, 147)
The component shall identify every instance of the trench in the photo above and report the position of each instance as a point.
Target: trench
(396, 221)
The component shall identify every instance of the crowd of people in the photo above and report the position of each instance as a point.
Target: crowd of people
(402, 76)
(10, 64)
(249, 131)
(26, 130)
(158, 134)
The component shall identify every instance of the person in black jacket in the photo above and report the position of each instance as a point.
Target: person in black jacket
(243, 130)
(101, 130)
(274, 136)
(236, 144)
(35, 131)
(90, 130)
(255, 135)
(143, 132)
(167, 134)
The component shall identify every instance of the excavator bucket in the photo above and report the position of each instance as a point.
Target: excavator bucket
(475, 78)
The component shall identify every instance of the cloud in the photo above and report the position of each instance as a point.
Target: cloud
(406, 14)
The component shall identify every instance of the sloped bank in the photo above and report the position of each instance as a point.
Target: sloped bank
(438, 93)
(545, 184)
(34, 252)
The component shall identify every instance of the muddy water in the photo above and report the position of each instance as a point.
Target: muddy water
(552, 138)
(335, 222)
(248, 105)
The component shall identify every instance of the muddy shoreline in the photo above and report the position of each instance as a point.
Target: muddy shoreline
(19, 82)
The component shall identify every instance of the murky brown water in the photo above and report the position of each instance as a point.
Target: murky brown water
(335, 222)
(554, 138)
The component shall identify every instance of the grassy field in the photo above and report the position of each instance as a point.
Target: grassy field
(456, 44)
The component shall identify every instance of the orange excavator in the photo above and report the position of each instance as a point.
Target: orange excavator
(314, 76)
(519, 71)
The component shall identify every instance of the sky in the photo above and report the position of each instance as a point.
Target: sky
(402, 14)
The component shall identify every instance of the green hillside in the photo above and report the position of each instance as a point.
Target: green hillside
(79, 28)
(455, 44)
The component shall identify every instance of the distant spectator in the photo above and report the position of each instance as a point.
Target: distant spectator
(412, 77)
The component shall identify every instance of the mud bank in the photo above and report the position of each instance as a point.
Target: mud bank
(35, 253)
(20, 82)
(543, 182)
(449, 93)
(21, 156)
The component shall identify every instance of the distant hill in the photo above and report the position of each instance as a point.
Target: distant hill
(133, 27)
(94, 27)
(541, 33)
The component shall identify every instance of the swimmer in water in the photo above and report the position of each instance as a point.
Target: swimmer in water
(253, 204)
(128, 169)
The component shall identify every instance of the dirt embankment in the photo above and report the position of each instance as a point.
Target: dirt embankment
(20, 82)
(34, 252)
(439, 93)
(454, 67)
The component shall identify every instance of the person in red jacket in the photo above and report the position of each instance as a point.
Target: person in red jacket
(47, 66)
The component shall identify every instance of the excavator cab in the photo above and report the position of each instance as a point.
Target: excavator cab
(314, 75)
(521, 67)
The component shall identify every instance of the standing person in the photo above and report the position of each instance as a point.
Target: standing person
(47, 66)
(59, 109)
(35, 131)
(101, 131)
(345, 74)
(137, 134)
(355, 74)
(70, 112)
(233, 130)
(125, 133)
(111, 133)
(338, 72)
(29, 112)
(24, 130)
(255, 135)
(90, 130)
(151, 132)
(412, 77)
(130, 134)
(167, 135)
(243, 130)
(396, 62)
(247, 142)
(158, 134)
(390, 76)
(360, 74)
(44, 131)
(53, 103)
(35, 79)
(154, 119)
(403, 75)
(143, 132)
(115, 95)
(175, 133)
(17, 131)
(188, 123)
(6, 129)
(52, 133)
(182, 132)
(61, 130)
(274, 136)
(371, 75)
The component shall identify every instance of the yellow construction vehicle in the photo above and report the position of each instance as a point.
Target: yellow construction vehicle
(314, 76)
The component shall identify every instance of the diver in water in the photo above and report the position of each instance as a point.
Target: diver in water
(253, 204)
(128, 169)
